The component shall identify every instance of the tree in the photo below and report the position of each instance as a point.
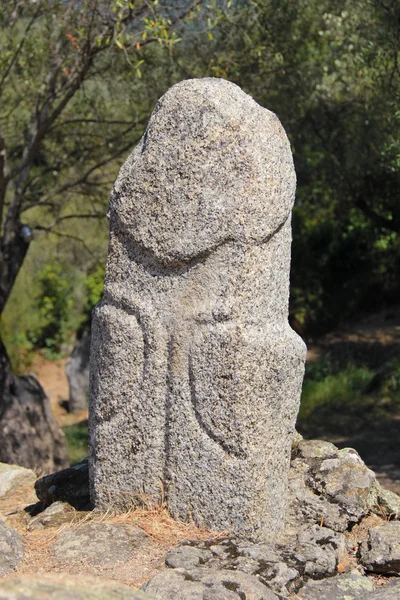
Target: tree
(330, 70)
(67, 112)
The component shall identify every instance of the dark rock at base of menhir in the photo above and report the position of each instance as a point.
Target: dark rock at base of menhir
(11, 549)
(70, 485)
(381, 552)
(206, 584)
(77, 369)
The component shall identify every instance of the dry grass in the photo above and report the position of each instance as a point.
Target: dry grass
(162, 531)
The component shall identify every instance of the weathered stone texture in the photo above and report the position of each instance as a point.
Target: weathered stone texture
(195, 372)
(77, 370)
(11, 549)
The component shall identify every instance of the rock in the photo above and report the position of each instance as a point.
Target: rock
(13, 476)
(390, 502)
(55, 515)
(348, 586)
(391, 591)
(70, 485)
(381, 552)
(195, 372)
(66, 588)
(330, 486)
(29, 434)
(98, 543)
(315, 552)
(187, 557)
(205, 584)
(11, 549)
(77, 369)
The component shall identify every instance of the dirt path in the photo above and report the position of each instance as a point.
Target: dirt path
(52, 376)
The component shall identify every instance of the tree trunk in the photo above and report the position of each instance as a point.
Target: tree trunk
(29, 434)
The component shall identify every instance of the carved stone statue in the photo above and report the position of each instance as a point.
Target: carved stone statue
(195, 372)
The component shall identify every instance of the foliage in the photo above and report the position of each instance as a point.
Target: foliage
(330, 70)
(340, 402)
(74, 97)
(76, 437)
(54, 307)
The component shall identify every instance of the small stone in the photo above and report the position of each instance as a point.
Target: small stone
(381, 552)
(390, 502)
(349, 586)
(98, 543)
(311, 449)
(186, 557)
(207, 584)
(11, 549)
(12, 476)
(55, 515)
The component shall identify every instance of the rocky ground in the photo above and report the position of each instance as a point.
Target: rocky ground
(342, 541)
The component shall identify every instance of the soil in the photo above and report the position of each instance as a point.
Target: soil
(53, 378)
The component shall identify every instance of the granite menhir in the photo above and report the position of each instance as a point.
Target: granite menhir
(195, 372)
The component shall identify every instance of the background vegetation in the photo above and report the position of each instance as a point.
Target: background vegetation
(329, 69)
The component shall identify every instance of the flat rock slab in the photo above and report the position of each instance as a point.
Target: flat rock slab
(69, 485)
(11, 549)
(349, 586)
(66, 588)
(98, 543)
(387, 592)
(205, 584)
(381, 552)
(12, 476)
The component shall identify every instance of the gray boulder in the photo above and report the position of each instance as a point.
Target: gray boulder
(349, 586)
(381, 552)
(331, 487)
(205, 584)
(29, 434)
(13, 476)
(77, 369)
(315, 552)
(11, 549)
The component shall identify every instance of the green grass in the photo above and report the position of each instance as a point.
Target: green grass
(339, 401)
(77, 441)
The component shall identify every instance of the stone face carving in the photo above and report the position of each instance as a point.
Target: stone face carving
(195, 372)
